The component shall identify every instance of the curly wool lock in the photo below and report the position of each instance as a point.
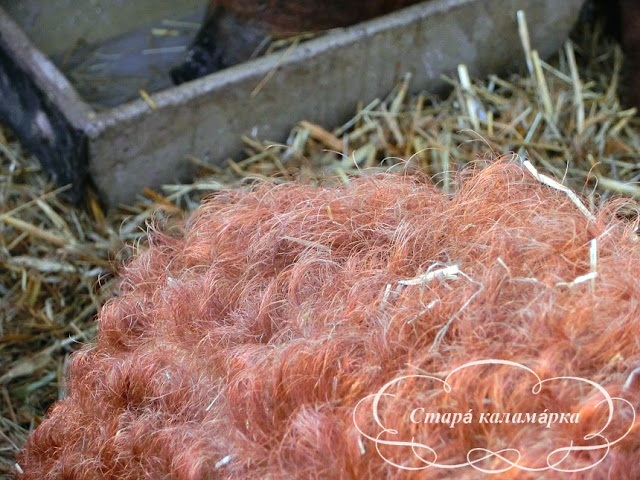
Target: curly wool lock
(242, 347)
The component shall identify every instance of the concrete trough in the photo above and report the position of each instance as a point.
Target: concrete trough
(98, 130)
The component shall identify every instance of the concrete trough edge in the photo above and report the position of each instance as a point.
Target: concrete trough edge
(134, 146)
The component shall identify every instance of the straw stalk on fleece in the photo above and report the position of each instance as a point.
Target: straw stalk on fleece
(247, 342)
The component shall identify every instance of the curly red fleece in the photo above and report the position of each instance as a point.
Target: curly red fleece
(241, 345)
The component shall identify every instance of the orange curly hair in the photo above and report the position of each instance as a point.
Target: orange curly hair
(253, 343)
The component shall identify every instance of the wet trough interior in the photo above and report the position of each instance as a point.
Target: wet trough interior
(108, 59)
